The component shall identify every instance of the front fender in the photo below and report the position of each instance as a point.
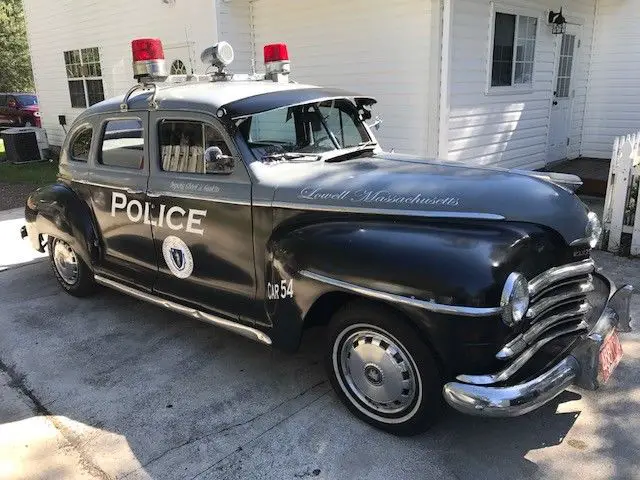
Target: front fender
(448, 263)
(57, 210)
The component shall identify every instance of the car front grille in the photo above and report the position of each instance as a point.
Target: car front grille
(559, 306)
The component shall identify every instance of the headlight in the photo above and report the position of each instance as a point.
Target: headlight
(515, 299)
(593, 230)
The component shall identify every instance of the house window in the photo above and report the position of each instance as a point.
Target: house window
(84, 76)
(514, 41)
(178, 68)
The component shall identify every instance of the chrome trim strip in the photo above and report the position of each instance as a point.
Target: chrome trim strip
(383, 211)
(413, 302)
(556, 300)
(509, 371)
(519, 343)
(161, 193)
(243, 330)
(554, 274)
(515, 400)
(97, 184)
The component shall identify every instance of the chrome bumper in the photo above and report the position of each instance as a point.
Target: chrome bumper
(580, 368)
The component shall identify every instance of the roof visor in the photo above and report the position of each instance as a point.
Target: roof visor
(264, 102)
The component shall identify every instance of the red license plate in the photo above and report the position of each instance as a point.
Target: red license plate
(610, 356)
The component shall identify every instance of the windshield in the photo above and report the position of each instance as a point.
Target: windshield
(27, 100)
(314, 129)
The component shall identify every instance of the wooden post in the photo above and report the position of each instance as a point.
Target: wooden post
(635, 162)
(620, 188)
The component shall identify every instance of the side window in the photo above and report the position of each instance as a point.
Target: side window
(275, 126)
(3, 100)
(123, 144)
(183, 142)
(81, 145)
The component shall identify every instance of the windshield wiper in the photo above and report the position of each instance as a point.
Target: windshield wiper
(351, 152)
(290, 156)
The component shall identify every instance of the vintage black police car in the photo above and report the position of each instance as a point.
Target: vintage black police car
(265, 207)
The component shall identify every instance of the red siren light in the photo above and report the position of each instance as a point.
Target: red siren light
(276, 52)
(276, 62)
(148, 58)
(147, 49)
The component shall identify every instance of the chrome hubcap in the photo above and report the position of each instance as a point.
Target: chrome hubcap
(65, 261)
(377, 370)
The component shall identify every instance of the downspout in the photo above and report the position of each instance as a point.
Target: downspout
(445, 68)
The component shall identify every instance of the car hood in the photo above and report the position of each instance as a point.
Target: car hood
(30, 108)
(399, 184)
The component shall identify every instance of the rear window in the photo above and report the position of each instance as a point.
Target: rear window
(81, 145)
(123, 144)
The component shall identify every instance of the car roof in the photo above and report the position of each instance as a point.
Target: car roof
(242, 97)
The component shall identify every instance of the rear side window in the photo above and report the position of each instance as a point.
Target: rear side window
(81, 145)
(3, 100)
(182, 145)
(123, 144)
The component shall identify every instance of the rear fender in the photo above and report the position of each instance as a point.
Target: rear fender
(56, 210)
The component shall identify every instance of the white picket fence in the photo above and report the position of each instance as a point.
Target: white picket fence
(621, 214)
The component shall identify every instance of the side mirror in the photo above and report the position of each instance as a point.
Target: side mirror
(376, 124)
(217, 162)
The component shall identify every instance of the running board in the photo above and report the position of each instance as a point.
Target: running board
(238, 328)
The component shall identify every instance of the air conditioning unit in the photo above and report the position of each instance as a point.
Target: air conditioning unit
(25, 144)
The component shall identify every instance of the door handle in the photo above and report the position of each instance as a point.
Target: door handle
(151, 194)
(555, 102)
(132, 191)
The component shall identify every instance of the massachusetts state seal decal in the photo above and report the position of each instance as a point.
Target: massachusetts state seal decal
(177, 256)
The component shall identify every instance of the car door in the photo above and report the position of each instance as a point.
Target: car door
(118, 182)
(201, 222)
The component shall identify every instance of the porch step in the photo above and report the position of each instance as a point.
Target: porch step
(594, 173)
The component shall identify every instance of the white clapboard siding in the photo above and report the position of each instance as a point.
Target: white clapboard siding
(185, 28)
(509, 130)
(383, 48)
(613, 100)
(234, 26)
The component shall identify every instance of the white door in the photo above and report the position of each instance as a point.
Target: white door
(563, 94)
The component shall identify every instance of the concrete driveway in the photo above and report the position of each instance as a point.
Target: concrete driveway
(110, 387)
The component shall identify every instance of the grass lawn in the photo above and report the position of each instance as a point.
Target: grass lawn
(34, 173)
(37, 173)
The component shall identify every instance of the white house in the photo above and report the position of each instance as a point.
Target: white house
(468, 80)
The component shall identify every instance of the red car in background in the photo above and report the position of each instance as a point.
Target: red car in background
(19, 110)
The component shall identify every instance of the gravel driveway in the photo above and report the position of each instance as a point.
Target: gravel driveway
(110, 387)
(14, 195)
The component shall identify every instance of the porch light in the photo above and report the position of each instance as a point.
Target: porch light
(557, 21)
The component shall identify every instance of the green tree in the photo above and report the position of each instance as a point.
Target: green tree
(15, 64)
